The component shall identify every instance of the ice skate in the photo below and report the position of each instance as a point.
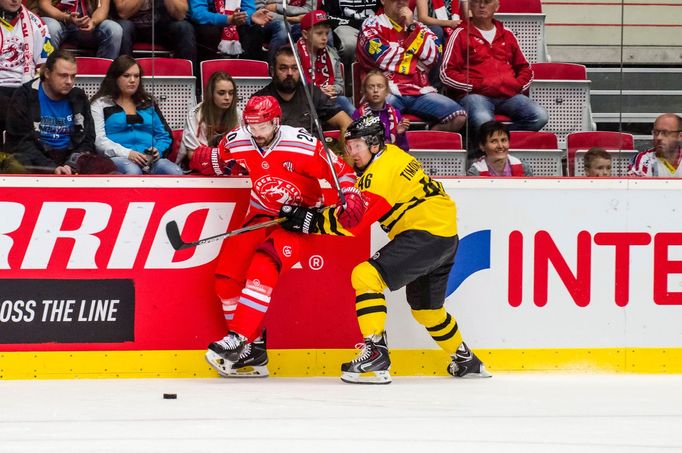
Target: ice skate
(465, 364)
(251, 361)
(371, 365)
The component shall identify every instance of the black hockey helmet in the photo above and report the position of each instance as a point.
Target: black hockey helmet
(368, 127)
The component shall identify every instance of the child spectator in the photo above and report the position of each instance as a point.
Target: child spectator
(129, 126)
(374, 93)
(493, 138)
(597, 162)
(211, 119)
(324, 63)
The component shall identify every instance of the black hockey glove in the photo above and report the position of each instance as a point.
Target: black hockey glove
(299, 219)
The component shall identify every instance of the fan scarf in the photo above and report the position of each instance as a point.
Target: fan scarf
(229, 39)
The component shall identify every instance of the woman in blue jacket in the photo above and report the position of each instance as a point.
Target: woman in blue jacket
(129, 126)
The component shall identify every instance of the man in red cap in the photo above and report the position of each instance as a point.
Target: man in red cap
(321, 64)
(285, 165)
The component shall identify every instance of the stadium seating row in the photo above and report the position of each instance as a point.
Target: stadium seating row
(442, 154)
(561, 88)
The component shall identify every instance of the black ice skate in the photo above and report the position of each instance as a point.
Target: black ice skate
(465, 364)
(234, 357)
(371, 365)
(253, 360)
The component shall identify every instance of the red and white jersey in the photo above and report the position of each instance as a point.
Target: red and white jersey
(646, 164)
(288, 172)
(404, 57)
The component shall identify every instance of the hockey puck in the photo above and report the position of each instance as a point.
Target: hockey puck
(170, 396)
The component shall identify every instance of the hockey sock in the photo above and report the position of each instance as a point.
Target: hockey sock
(370, 303)
(228, 290)
(442, 327)
(254, 299)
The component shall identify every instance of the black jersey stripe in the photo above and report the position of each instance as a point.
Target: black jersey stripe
(448, 335)
(374, 309)
(442, 325)
(369, 296)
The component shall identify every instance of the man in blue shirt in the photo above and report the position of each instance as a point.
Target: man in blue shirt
(51, 129)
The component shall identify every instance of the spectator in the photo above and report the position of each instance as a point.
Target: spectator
(597, 162)
(83, 22)
(313, 50)
(441, 16)
(244, 27)
(663, 160)
(287, 88)
(405, 50)
(159, 21)
(50, 129)
(348, 16)
(493, 139)
(296, 10)
(129, 125)
(211, 119)
(487, 72)
(374, 93)
(24, 46)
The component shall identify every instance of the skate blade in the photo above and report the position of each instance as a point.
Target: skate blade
(221, 365)
(370, 377)
(248, 372)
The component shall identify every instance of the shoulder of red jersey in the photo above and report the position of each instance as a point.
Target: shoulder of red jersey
(296, 140)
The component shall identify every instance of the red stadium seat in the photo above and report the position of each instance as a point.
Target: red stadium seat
(559, 71)
(161, 66)
(614, 141)
(533, 140)
(439, 152)
(152, 49)
(520, 6)
(434, 140)
(234, 67)
(335, 134)
(92, 65)
(540, 150)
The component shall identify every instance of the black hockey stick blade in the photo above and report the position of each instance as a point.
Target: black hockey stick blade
(173, 233)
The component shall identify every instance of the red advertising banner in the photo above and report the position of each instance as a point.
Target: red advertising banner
(85, 264)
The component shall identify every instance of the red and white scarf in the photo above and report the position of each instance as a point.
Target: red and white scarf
(324, 69)
(229, 39)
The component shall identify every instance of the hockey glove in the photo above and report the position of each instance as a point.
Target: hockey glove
(207, 161)
(299, 219)
(355, 207)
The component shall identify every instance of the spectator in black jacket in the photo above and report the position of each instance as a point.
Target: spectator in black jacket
(51, 128)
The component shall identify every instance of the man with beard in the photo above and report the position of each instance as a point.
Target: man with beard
(287, 88)
(663, 160)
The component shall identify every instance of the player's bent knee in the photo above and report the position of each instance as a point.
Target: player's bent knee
(366, 279)
(430, 318)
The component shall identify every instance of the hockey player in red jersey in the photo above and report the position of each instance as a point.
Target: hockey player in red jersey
(285, 165)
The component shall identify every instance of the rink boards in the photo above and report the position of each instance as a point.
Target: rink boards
(565, 274)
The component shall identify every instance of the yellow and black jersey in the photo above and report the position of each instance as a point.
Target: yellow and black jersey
(401, 197)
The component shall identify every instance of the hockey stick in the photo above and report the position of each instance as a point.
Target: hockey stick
(313, 113)
(173, 233)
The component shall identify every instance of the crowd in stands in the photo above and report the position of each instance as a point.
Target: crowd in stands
(441, 62)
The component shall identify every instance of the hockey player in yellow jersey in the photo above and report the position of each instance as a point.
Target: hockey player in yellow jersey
(420, 219)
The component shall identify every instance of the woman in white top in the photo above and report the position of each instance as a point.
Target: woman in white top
(211, 119)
